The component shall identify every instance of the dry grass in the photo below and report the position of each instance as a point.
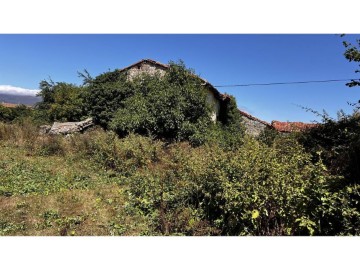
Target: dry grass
(59, 190)
(75, 212)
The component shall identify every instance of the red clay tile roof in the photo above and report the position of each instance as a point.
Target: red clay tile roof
(254, 118)
(206, 83)
(291, 126)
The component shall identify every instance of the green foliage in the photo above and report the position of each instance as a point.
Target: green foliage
(105, 95)
(65, 225)
(169, 107)
(268, 136)
(60, 102)
(338, 141)
(22, 178)
(176, 189)
(352, 54)
(5, 113)
(122, 155)
(227, 137)
(340, 211)
(229, 184)
(9, 227)
(253, 190)
(229, 131)
(17, 113)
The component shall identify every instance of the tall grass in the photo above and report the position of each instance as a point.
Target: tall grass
(175, 189)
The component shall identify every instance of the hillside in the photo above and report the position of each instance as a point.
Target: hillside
(17, 99)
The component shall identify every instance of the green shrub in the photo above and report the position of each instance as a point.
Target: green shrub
(120, 154)
(253, 190)
(47, 146)
(60, 102)
(339, 144)
(172, 107)
(15, 114)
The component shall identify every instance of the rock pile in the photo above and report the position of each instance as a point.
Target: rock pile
(67, 127)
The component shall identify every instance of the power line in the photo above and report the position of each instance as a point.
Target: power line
(281, 83)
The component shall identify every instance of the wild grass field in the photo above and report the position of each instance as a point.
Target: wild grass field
(47, 188)
(99, 184)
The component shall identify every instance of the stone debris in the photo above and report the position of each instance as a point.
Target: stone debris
(68, 127)
(44, 129)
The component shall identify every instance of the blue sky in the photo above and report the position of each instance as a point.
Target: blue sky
(25, 60)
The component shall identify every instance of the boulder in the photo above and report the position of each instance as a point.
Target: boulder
(44, 129)
(70, 127)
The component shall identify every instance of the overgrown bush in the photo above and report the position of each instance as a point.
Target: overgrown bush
(338, 141)
(119, 154)
(60, 102)
(18, 113)
(254, 190)
(171, 107)
(168, 107)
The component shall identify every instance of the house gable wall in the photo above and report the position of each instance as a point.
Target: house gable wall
(253, 126)
(145, 67)
(152, 68)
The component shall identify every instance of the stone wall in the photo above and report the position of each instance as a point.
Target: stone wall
(253, 126)
(147, 68)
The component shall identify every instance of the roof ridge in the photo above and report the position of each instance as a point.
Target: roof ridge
(254, 118)
(291, 126)
(145, 60)
(215, 91)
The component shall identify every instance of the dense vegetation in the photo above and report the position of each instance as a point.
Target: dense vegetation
(14, 114)
(157, 165)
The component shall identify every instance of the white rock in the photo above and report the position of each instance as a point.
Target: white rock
(70, 127)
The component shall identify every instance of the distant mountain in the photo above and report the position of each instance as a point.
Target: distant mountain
(27, 100)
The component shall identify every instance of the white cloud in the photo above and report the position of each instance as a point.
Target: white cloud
(13, 90)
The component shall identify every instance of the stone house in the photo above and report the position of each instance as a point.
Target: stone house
(254, 126)
(217, 100)
(148, 66)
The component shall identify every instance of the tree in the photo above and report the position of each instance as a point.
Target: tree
(352, 53)
(106, 94)
(171, 107)
(61, 101)
(14, 114)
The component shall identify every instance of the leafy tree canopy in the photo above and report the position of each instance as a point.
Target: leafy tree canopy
(13, 114)
(352, 53)
(61, 101)
(172, 106)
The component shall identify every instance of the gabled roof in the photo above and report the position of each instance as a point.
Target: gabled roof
(216, 93)
(145, 61)
(291, 126)
(254, 118)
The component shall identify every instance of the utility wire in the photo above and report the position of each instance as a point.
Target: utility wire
(281, 83)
